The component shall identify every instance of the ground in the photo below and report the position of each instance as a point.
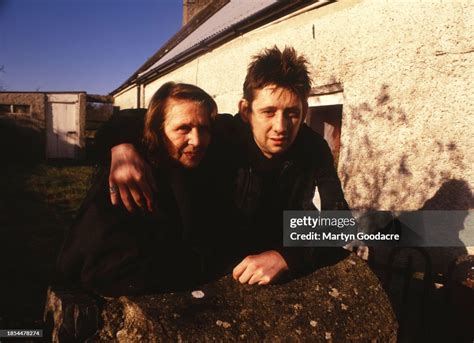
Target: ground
(37, 204)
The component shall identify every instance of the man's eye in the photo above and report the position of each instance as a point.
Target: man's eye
(293, 114)
(268, 112)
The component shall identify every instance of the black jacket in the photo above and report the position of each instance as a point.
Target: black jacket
(114, 252)
(261, 188)
(264, 188)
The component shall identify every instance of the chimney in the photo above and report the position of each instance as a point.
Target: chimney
(193, 7)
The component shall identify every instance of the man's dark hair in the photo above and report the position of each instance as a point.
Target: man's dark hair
(284, 68)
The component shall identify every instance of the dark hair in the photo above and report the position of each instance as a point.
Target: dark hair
(156, 114)
(283, 68)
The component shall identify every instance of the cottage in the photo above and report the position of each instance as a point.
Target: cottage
(392, 86)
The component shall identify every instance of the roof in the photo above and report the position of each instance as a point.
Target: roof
(233, 12)
(218, 23)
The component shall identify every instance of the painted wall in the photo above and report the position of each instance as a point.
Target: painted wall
(406, 69)
(126, 98)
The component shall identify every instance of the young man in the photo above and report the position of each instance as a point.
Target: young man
(275, 161)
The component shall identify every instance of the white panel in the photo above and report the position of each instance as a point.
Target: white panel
(62, 133)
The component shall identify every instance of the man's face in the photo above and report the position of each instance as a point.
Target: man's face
(275, 116)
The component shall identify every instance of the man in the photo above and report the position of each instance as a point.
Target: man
(275, 160)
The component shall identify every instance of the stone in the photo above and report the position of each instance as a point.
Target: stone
(231, 311)
(72, 315)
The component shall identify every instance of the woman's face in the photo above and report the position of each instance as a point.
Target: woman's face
(187, 131)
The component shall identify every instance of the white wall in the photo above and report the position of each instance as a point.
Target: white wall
(406, 68)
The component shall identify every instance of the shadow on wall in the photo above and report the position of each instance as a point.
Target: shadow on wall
(453, 195)
(397, 175)
(378, 174)
(22, 139)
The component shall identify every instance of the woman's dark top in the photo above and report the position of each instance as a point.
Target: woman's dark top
(113, 252)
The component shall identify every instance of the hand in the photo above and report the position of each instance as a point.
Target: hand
(133, 178)
(262, 268)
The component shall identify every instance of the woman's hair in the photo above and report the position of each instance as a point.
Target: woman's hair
(156, 114)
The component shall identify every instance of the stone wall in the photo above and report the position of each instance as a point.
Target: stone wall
(23, 136)
(37, 101)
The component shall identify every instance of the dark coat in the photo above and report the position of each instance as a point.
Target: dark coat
(264, 188)
(260, 189)
(113, 252)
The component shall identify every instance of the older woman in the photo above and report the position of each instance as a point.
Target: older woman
(114, 252)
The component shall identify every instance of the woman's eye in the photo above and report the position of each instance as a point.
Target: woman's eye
(184, 128)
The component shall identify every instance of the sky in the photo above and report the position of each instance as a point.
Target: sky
(80, 45)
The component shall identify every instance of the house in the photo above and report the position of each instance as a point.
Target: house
(392, 86)
(51, 124)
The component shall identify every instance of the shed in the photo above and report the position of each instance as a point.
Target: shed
(56, 124)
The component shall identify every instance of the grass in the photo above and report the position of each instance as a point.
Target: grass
(61, 188)
(37, 204)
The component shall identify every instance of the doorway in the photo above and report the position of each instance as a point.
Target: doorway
(327, 120)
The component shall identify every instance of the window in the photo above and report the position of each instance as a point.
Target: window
(21, 109)
(15, 109)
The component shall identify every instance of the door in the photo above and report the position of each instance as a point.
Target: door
(62, 121)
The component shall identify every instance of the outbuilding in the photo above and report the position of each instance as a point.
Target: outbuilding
(55, 125)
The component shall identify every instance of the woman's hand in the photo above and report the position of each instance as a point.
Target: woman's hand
(131, 177)
(261, 269)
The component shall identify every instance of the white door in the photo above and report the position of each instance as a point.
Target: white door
(62, 132)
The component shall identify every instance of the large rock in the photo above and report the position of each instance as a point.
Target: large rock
(340, 302)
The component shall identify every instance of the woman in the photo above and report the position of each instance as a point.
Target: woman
(114, 252)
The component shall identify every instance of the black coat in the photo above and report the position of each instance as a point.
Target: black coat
(260, 189)
(264, 188)
(114, 252)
